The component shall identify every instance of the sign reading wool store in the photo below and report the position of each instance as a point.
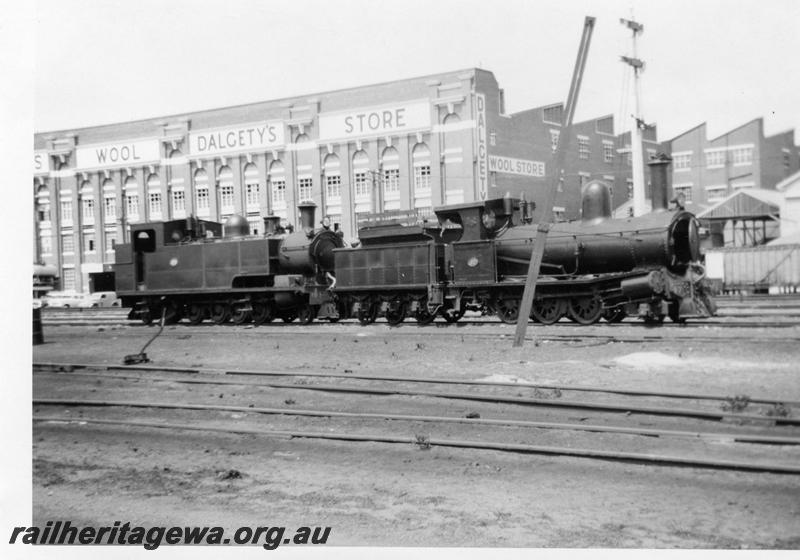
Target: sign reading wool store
(242, 138)
(513, 166)
(118, 154)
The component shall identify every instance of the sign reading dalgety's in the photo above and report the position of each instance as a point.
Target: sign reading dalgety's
(242, 138)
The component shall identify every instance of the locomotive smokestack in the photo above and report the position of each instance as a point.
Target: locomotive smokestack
(271, 224)
(596, 202)
(307, 211)
(658, 179)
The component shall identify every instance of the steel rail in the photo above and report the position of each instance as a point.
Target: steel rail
(740, 438)
(579, 405)
(403, 379)
(495, 446)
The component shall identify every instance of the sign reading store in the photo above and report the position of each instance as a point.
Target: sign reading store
(118, 154)
(242, 138)
(404, 117)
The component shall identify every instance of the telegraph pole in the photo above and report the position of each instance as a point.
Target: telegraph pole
(638, 123)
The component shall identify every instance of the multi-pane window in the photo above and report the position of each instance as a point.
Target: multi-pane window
(583, 147)
(88, 242)
(68, 278)
(132, 206)
(681, 162)
(154, 200)
(685, 190)
(391, 181)
(66, 212)
(554, 134)
(46, 243)
(552, 114)
(67, 243)
(202, 199)
(333, 186)
(278, 190)
(109, 207)
(422, 178)
(714, 194)
(608, 152)
(252, 194)
(178, 202)
(88, 210)
(306, 186)
(742, 156)
(362, 186)
(226, 198)
(715, 158)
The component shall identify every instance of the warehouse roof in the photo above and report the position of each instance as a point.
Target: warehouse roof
(745, 203)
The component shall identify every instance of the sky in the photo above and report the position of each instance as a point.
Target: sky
(720, 62)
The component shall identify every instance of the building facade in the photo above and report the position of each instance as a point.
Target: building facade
(707, 171)
(406, 145)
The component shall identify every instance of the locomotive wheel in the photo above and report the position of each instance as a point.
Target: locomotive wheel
(614, 314)
(240, 315)
(306, 314)
(421, 315)
(263, 312)
(452, 315)
(547, 311)
(196, 314)
(146, 317)
(220, 313)
(585, 310)
(507, 309)
(396, 312)
(367, 312)
(172, 313)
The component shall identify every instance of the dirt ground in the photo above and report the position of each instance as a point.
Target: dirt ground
(402, 495)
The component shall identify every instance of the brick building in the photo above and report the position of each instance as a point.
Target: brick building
(411, 144)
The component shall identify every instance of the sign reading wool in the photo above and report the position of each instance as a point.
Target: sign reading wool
(118, 154)
(375, 121)
(244, 138)
(500, 164)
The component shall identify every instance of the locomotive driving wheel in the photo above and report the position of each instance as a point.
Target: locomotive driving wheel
(452, 315)
(422, 316)
(396, 312)
(507, 309)
(220, 313)
(241, 314)
(263, 312)
(196, 313)
(367, 312)
(585, 310)
(547, 311)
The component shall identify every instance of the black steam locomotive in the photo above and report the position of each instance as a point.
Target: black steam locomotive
(474, 256)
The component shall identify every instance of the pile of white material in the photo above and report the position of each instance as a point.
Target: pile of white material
(650, 360)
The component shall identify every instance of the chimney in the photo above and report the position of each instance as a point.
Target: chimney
(658, 179)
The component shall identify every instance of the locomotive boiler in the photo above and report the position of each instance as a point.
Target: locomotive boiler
(197, 269)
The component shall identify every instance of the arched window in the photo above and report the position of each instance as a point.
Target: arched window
(226, 198)
(362, 183)
(390, 163)
(201, 193)
(421, 159)
(252, 188)
(131, 193)
(87, 203)
(277, 182)
(333, 188)
(155, 203)
(109, 202)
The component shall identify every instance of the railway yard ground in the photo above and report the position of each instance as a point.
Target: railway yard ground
(611, 435)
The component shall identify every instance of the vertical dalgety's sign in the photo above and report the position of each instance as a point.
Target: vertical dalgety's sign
(483, 176)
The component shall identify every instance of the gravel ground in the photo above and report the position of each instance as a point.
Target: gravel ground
(402, 495)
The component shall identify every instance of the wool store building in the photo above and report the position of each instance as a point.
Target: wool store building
(411, 144)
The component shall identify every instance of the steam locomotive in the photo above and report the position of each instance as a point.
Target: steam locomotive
(474, 257)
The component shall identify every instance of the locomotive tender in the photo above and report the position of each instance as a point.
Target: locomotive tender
(475, 257)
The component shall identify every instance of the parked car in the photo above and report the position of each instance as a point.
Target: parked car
(62, 299)
(101, 299)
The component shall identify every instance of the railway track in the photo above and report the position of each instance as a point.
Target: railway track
(617, 430)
